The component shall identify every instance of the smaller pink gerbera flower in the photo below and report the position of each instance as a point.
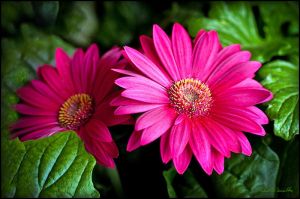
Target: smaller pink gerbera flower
(73, 96)
(198, 97)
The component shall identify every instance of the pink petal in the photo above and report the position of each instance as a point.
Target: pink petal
(179, 137)
(131, 82)
(34, 121)
(40, 133)
(165, 151)
(205, 53)
(31, 96)
(218, 161)
(147, 67)
(155, 131)
(98, 130)
(31, 110)
(150, 52)
(242, 96)
(76, 70)
(179, 119)
(45, 90)
(24, 131)
(226, 64)
(199, 35)
(111, 149)
(163, 48)
(182, 49)
(182, 161)
(134, 141)
(259, 115)
(236, 74)
(131, 109)
(221, 57)
(216, 138)
(151, 117)
(150, 95)
(237, 122)
(201, 148)
(54, 81)
(90, 67)
(63, 65)
(245, 145)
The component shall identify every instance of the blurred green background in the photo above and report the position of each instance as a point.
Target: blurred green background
(31, 31)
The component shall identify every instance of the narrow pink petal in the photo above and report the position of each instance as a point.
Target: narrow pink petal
(229, 62)
(245, 145)
(179, 119)
(126, 72)
(31, 96)
(23, 131)
(98, 130)
(215, 134)
(46, 91)
(235, 75)
(123, 101)
(237, 122)
(111, 149)
(134, 141)
(225, 53)
(182, 49)
(182, 161)
(151, 117)
(111, 57)
(146, 66)
(63, 65)
(179, 137)
(242, 96)
(150, 95)
(155, 131)
(199, 35)
(76, 70)
(34, 121)
(201, 148)
(131, 109)
(163, 48)
(205, 53)
(259, 115)
(54, 81)
(131, 82)
(218, 161)
(90, 66)
(165, 151)
(31, 110)
(40, 133)
(150, 52)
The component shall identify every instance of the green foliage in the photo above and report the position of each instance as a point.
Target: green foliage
(281, 77)
(57, 166)
(253, 176)
(235, 23)
(184, 186)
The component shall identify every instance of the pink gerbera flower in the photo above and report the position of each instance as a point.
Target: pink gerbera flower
(73, 96)
(197, 96)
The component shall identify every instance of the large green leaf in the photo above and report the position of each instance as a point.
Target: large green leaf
(253, 176)
(281, 77)
(57, 166)
(235, 23)
(183, 186)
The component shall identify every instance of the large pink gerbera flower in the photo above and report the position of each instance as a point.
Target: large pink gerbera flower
(73, 96)
(197, 96)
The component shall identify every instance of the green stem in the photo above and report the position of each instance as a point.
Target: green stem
(114, 177)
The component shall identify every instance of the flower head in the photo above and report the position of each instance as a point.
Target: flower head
(197, 96)
(73, 96)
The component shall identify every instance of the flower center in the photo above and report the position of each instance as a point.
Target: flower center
(190, 97)
(75, 111)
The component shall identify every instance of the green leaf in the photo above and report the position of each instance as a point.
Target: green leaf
(235, 23)
(183, 186)
(46, 12)
(289, 181)
(77, 22)
(253, 176)
(281, 77)
(57, 166)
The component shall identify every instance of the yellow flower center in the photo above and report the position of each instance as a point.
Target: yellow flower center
(191, 97)
(75, 111)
